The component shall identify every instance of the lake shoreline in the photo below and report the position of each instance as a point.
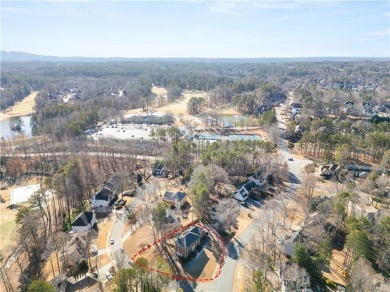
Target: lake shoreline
(25, 107)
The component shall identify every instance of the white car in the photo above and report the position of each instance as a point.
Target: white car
(108, 276)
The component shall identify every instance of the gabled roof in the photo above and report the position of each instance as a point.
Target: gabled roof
(190, 237)
(159, 167)
(103, 194)
(173, 197)
(83, 219)
(249, 186)
(87, 284)
(113, 183)
(329, 167)
(334, 166)
(289, 244)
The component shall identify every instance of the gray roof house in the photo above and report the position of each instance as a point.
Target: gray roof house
(84, 222)
(188, 241)
(174, 199)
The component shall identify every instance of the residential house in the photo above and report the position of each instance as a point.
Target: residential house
(349, 106)
(159, 170)
(367, 108)
(298, 130)
(103, 198)
(258, 179)
(243, 193)
(359, 170)
(213, 214)
(362, 209)
(76, 248)
(187, 242)
(80, 284)
(84, 222)
(289, 242)
(177, 199)
(383, 108)
(114, 184)
(329, 170)
(296, 105)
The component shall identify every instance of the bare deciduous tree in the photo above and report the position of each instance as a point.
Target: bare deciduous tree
(295, 278)
(227, 212)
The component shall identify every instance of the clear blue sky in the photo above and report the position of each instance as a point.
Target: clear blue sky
(237, 29)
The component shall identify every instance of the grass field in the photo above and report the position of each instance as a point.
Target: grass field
(142, 237)
(104, 228)
(8, 225)
(22, 108)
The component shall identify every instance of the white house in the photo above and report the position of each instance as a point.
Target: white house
(84, 222)
(103, 198)
(243, 193)
(258, 182)
(329, 169)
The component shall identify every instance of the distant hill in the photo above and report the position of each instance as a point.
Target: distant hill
(13, 56)
(27, 57)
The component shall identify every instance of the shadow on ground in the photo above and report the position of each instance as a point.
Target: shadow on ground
(293, 178)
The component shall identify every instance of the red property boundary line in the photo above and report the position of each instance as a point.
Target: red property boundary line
(172, 276)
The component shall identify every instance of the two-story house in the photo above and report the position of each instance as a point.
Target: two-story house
(243, 193)
(103, 198)
(177, 199)
(188, 241)
(84, 222)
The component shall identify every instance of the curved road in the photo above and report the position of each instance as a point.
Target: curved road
(225, 282)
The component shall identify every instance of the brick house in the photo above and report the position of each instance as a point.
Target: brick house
(177, 199)
(187, 242)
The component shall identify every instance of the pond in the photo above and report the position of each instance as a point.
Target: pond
(230, 120)
(236, 121)
(7, 133)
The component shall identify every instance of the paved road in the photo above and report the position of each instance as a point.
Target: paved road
(116, 232)
(226, 279)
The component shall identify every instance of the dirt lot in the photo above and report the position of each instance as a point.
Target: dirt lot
(335, 272)
(8, 226)
(104, 228)
(48, 270)
(22, 108)
(244, 220)
(159, 90)
(142, 237)
(100, 261)
(204, 265)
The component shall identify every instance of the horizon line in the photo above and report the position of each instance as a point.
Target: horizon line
(217, 58)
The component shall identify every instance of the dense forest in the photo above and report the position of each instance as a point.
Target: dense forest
(103, 90)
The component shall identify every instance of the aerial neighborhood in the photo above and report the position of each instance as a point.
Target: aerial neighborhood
(168, 189)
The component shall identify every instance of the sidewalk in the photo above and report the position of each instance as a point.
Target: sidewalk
(239, 277)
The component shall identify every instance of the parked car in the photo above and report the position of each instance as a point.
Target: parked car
(108, 276)
(112, 241)
(290, 159)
